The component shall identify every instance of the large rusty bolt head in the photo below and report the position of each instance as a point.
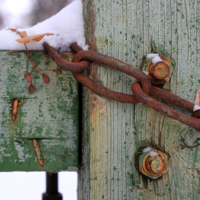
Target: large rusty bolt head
(153, 163)
(159, 68)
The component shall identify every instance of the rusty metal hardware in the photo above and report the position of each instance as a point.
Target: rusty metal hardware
(153, 163)
(158, 68)
(63, 64)
(115, 64)
(160, 72)
(38, 152)
(106, 60)
(164, 109)
(15, 109)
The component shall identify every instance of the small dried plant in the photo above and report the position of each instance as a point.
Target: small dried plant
(29, 75)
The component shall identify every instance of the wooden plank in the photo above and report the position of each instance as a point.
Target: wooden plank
(46, 120)
(19, 155)
(50, 114)
(128, 30)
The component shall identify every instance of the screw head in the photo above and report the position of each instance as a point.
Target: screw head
(159, 70)
(153, 163)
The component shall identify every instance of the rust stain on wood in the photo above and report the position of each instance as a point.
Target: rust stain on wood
(92, 43)
(13, 53)
(161, 133)
(92, 40)
(152, 123)
(97, 100)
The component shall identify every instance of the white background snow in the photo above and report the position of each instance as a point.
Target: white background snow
(31, 185)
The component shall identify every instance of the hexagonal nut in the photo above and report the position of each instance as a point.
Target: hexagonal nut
(153, 163)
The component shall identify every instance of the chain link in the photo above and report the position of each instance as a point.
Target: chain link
(141, 90)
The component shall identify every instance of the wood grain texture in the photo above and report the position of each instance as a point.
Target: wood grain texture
(50, 114)
(113, 132)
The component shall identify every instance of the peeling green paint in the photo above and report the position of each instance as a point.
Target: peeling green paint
(49, 114)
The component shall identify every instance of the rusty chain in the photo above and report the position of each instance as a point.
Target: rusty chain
(141, 90)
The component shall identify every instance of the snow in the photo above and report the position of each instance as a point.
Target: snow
(153, 153)
(152, 55)
(146, 72)
(196, 107)
(146, 149)
(156, 59)
(67, 26)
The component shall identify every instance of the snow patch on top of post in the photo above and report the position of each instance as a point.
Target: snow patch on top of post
(67, 27)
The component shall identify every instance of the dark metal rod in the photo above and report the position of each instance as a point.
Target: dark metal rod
(51, 187)
(52, 183)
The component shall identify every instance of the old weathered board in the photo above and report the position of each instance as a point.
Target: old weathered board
(113, 132)
(50, 114)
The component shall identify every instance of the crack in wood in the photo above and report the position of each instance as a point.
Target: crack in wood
(184, 145)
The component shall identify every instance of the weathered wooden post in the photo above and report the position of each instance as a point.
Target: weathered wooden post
(114, 132)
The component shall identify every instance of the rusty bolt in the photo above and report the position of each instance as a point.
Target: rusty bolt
(158, 68)
(153, 163)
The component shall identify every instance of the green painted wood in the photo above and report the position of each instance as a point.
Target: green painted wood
(50, 114)
(113, 132)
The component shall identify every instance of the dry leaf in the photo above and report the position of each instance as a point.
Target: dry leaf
(36, 38)
(13, 30)
(26, 39)
(23, 34)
